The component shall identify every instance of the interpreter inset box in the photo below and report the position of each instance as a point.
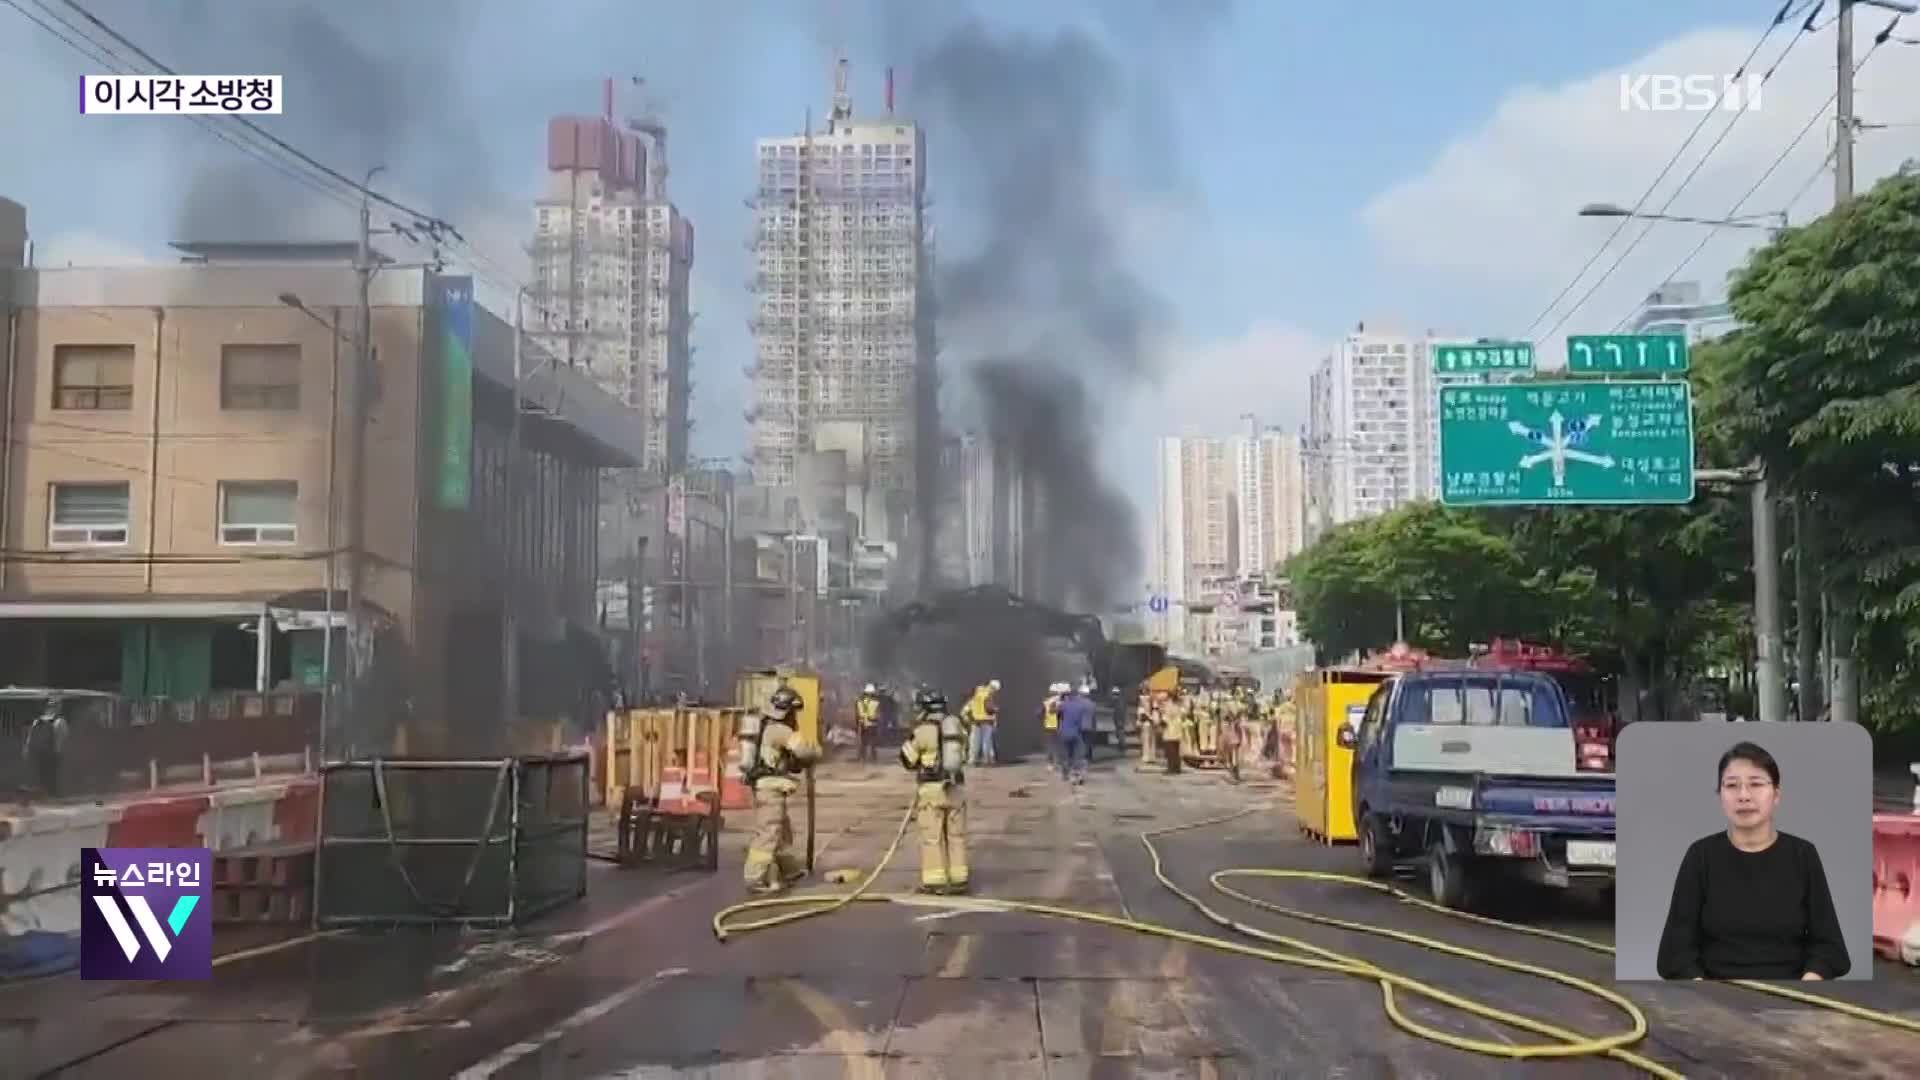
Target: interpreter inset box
(1745, 851)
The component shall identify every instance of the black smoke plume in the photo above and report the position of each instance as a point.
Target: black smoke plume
(367, 83)
(1044, 330)
(1048, 325)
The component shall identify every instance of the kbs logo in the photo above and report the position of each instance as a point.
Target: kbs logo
(123, 893)
(1689, 93)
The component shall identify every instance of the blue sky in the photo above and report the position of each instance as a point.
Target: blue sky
(1417, 164)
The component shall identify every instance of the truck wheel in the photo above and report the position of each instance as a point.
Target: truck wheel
(1375, 854)
(1450, 877)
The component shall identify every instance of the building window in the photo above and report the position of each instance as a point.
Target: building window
(93, 377)
(258, 512)
(260, 377)
(87, 515)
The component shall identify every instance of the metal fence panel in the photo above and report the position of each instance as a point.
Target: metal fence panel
(481, 842)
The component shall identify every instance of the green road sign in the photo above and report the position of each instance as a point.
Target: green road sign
(1483, 356)
(1608, 354)
(1566, 442)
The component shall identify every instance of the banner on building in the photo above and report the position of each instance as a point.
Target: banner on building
(453, 314)
(677, 506)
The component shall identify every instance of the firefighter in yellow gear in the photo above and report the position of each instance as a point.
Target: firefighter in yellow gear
(936, 754)
(1209, 723)
(772, 756)
(866, 718)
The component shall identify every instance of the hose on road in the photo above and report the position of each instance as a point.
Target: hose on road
(1567, 1044)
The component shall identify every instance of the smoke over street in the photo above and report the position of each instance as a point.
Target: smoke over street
(384, 72)
(1045, 329)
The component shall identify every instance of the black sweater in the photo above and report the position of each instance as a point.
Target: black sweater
(1751, 914)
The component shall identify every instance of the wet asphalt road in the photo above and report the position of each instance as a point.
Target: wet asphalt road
(632, 983)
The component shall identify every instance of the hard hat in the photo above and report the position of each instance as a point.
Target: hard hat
(993, 684)
(869, 689)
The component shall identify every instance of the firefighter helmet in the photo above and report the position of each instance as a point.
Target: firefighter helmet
(784, 702)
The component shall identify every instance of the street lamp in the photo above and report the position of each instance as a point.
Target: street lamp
(1769, 665)
(1774, 220)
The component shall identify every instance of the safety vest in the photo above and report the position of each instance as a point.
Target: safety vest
(1050, 714)
(980, 706)
(867, 710)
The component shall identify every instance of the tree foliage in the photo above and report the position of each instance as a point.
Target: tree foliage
(1821, 383)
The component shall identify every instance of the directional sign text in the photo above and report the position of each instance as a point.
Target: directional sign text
(1626, 353)
(1483, 356)
(1577, 442)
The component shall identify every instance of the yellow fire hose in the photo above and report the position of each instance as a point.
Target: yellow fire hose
(1570, 1043)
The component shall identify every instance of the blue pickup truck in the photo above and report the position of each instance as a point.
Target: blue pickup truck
(1475, 774)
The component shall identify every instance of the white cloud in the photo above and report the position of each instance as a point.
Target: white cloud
(81, 248)
(1206, 388)
(1499, 204)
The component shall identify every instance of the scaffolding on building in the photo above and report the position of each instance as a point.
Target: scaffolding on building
(839, 254)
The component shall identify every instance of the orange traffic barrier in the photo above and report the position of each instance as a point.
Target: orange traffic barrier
(672, 755)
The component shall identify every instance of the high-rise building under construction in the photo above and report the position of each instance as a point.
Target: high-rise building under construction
(843, 325)
(612, 260)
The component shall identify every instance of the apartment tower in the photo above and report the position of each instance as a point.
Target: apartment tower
(612, 262)
(843, 324)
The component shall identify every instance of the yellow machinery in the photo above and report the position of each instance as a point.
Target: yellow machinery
(754, 686)
(1327, 700)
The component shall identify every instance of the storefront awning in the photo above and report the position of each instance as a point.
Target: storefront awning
(284, 617)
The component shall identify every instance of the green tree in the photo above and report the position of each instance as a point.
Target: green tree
(1823, 385)
(1452, 579)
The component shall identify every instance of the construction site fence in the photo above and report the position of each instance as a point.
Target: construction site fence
(116, 745)
(676, 757)
(483, 843)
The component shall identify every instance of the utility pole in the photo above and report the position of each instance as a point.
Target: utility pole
(1843, 106)
(510, 601)
(1768, 668)
(1807, 607)
(357, 449)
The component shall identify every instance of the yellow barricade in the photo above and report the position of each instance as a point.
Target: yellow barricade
(674, 756)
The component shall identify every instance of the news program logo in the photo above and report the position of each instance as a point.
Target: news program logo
(1690, 93)
(146, 913)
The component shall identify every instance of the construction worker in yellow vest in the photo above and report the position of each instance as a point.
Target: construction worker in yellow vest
(935, 752)
(773, 755)
(1050, 721)
(981, 713)
(866, 718)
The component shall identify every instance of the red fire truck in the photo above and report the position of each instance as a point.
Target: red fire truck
(1589, 694)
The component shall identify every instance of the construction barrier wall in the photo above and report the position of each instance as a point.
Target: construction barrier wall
(480, 843)
(674, 756)
(134, 745)
(40, 846)
(1896, 886)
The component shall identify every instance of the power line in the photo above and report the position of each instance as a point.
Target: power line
(285, 146)
(106, 57)
(1746, 104)
(265, 147)
(1779, 17)
(1765, 176)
